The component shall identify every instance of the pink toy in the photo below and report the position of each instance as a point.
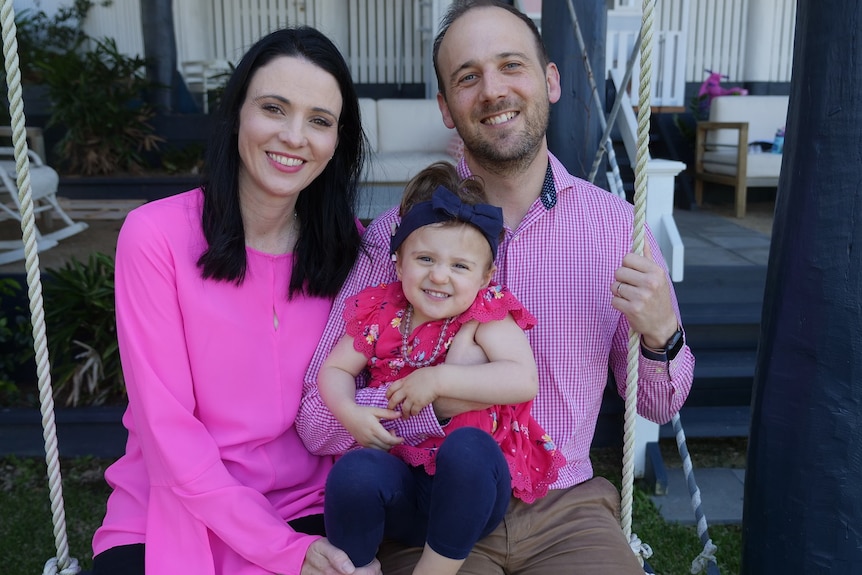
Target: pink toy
(711, 88)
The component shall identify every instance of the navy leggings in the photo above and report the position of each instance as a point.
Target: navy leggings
(371, 494)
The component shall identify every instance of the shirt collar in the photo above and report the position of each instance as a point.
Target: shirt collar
(556, 178)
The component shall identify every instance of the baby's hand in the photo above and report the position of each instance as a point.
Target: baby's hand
(364, 425)
(414, 392)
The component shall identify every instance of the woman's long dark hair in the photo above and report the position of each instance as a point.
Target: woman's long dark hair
(328, 238)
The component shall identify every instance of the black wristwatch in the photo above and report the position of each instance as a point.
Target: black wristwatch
(670, 350)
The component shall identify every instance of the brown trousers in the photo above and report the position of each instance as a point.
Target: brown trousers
(570, 531)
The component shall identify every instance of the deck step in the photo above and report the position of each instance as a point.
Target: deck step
(711, 422)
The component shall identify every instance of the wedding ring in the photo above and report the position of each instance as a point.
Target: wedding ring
(619, 287)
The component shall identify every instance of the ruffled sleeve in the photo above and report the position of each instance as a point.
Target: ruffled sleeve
(494, 303)
(364, 312)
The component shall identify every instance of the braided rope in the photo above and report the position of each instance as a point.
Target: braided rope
(706, 558)
(627, 491)
(67, 565)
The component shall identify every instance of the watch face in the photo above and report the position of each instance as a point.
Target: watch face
(674, 344)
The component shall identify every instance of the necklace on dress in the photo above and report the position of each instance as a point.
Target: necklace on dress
(408, 317)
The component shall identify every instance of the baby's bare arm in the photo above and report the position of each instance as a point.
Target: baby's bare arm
(509, 376)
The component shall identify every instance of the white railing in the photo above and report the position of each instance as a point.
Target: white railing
(237, 24)
(716, 39)
(669, 49)
(384, 41)
(387, 41)
(661, 174)
(386, 44)
(747, 40)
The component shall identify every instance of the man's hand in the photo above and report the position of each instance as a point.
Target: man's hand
(324, 558)
(641, 292)
(413, 392)
(364, 425)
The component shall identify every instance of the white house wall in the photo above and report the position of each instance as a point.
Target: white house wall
(388, 41)
(748, 40)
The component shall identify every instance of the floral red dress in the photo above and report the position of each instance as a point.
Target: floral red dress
(374, 317)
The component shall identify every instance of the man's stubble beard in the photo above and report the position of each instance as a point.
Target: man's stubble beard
(517, 151)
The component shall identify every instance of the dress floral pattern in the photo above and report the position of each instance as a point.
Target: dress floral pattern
(373, 319)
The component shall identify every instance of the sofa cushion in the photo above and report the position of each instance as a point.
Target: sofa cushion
(368, 117)
(763, 165)
(399, 167)
(764, 114)
(411, 125)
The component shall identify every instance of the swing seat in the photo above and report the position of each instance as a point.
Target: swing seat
(44, 181)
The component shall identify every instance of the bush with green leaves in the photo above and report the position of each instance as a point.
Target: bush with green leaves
(41, 36)
(82, 332)
(97, 95)
(16, 342)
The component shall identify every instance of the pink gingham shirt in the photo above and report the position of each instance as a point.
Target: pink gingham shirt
(560, 264)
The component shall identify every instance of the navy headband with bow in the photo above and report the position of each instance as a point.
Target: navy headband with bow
(446, 207)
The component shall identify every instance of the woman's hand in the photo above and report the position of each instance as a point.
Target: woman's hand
(364, 425)
(324, 558)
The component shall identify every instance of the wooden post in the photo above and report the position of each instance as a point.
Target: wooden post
(803, 504)
(574, 131)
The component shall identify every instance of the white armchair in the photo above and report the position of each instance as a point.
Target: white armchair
(43, 188)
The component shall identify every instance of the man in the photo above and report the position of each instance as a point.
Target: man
(566, 257)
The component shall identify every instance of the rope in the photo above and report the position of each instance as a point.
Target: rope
(594, 90)
(706, 559)
(67, 565)
(615, 109)
(627, 492)
(51, 567)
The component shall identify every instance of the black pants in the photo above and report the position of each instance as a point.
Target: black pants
(129, 559)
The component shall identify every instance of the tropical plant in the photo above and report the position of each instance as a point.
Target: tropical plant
(41, 36)
(97, 98)
(185, 160)
(16, 342)
(82, 331)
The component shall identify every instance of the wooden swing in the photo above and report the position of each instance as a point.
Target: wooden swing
(64, 564)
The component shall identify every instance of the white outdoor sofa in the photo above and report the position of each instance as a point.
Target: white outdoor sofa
(722, 153)
(406, 135)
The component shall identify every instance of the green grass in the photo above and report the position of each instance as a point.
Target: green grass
(27, 541)
(26, 532)
(675, 546)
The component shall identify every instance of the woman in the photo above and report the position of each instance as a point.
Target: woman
(222, 293)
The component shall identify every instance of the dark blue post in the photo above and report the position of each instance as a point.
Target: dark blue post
(575, 129)
(803, 500)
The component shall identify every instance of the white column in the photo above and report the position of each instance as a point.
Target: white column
(759, 39)
(193, 26)
(659, 218)
(659, 213)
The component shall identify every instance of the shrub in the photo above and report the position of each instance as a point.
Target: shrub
(96, 93)
(16, 342)
(82, 331)
(41, 36)
(97, 96)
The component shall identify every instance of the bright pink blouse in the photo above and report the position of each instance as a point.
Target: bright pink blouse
(213, 465)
